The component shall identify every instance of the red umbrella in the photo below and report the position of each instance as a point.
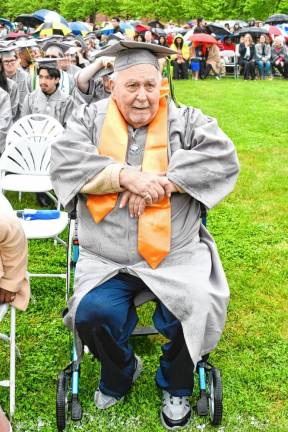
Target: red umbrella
(15, 35)
(274, 31)
(140, 28)
(202, 38)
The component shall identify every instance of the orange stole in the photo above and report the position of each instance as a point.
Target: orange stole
(154, 225)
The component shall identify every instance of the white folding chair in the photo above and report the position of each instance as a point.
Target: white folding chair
(25, 168)
(36, 127)
(230, 61)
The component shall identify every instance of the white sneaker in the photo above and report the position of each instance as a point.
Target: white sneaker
(176, 411)
(103, 401)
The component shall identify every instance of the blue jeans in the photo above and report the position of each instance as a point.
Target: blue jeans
(106, 317)
(264, 68)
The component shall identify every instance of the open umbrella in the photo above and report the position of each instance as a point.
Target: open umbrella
(274, 31)
(6, 23)
(46, 15)
(52, 28)
(202, 38)
(79, 28)
(277, 19)
(253, 31)
(218, 29)
(28, 20)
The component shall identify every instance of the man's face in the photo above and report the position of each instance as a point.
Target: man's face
(10, 64)
(115, 23)
(136, 92)
(48, 84)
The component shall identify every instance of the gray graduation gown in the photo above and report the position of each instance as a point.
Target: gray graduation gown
(95, 93)
(5, 117)
(190, 281)
(23, 80)
(14, 98)
(56, 105)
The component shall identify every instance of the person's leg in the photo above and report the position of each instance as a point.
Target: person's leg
(252, 69)
(207, 70)
(285, 70)
(260, 68)
(185, 70)
(267, 70)
(105, 318)
(175, 70)
(175, 376)
(175, 373)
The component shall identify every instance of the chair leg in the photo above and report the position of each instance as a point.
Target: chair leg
(12, 360)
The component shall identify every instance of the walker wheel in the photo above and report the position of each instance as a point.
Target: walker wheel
(215, 396)
(61, 402)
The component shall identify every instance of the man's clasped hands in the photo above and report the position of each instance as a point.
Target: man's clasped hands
(142, 189)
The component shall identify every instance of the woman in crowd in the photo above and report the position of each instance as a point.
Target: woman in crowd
(263, 56)
(247, 57)
(279, 56)
(180, 60)
(163, 41)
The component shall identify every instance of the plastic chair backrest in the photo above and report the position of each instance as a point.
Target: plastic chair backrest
(228, 53)
(27, 157)
(37, 127)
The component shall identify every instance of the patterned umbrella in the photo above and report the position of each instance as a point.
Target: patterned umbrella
(46, 15)
(80, 28)
(52, 28)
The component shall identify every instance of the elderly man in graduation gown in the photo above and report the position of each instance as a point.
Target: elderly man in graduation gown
(139, 169)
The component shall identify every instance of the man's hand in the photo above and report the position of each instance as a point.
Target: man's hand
(6, 296)
(135, 203)
(147, 185)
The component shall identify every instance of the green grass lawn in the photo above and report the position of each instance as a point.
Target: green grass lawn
(250, 228)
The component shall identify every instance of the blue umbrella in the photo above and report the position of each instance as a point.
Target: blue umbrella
(46, 15)
(79, 28)
(6, 23)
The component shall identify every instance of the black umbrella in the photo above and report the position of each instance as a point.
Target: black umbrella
(156, 24)
(28, 20)
(218, 29)
(277, 19)
(254, 31)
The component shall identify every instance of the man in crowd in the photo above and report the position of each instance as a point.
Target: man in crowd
(56, 50)
(14, 72)
(48, 99)
(140, 168)
(116, 25)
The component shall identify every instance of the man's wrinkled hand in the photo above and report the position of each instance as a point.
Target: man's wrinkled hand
(144, 184)
(135, 203)
(6, 296)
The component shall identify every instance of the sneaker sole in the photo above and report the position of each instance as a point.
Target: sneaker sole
(176, 427)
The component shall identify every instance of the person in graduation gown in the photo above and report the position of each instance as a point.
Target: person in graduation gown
(48, 99)
(16, 73)
(139, 169)
(6, 119)
(11, 88)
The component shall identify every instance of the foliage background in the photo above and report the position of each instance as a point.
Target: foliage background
(178, 10)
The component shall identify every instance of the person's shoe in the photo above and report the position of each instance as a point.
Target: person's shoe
(103, 401)
(176, 411)
(43, 199)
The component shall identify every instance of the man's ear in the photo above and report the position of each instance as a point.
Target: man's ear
(57, 80)
(112, 88)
